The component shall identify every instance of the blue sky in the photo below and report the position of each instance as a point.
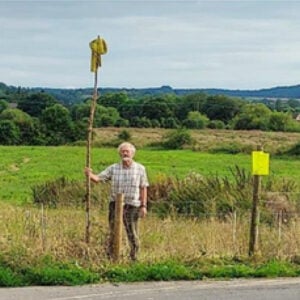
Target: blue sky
(185, 44)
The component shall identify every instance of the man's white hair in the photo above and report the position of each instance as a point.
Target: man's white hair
(127, 144)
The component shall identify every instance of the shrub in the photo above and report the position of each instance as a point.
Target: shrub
(9, 133)
(216, 124)
(124, 135)
(195, 120)
(202, 197)
(3, 105)
(294, 150)
(177, 139)
(122, 123)
(231, 148)
(63, 192)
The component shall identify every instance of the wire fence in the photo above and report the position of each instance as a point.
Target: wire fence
(227, 234)
(185, 234)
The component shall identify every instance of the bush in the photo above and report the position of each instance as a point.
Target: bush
(63, 192)
(195, 120)
(9, 133)
(216, 124)
(231, 148)
(202, 197)
(124, 135)
(294, 150)
(177, 139)
(122, 123)
(3, 105)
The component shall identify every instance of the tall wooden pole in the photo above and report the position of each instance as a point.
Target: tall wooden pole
(255, 213)
(88, 159)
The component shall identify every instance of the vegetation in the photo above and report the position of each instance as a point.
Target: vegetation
(199, 199)
(172, 270)
(38, 165)
(177, 139)
(43, 245)
(295, 150)
(271, 96)
(41, 119)
(220, 141)
(68, 274)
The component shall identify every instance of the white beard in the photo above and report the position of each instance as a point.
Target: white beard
(126, 159)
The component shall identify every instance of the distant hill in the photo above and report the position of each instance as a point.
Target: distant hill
(71, 96)
(286, 92)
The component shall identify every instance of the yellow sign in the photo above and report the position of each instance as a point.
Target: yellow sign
(260, 163)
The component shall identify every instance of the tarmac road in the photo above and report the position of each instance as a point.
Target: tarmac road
(262, 289)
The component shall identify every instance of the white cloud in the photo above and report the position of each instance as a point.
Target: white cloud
(229, 44)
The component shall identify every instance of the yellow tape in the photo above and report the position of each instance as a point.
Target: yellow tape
(98, 47)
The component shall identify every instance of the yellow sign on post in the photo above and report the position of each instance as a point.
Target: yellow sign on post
(260, 163)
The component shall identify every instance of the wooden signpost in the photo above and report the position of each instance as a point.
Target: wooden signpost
(260, 167)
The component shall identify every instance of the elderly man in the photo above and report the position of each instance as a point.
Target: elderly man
(129, 178)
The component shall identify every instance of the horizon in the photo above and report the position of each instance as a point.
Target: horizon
(150, 87)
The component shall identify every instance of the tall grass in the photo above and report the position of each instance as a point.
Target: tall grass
(199, 211)
(189, 218)
(27, 233)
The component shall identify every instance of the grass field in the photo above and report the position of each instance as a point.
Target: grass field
(208, 139)
(40, 245)
(23, 167)
(46, 246)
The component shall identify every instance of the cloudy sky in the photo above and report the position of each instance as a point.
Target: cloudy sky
(185, 44)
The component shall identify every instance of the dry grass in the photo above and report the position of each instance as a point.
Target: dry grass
(206, 139)
(27, 233)
(190, 239)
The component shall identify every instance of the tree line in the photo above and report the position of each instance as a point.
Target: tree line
(40, 119)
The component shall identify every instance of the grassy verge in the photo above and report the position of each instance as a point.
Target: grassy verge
(172, 270)
(44, 272)
(46, 247)
(48, 272)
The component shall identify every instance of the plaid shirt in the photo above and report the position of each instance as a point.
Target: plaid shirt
(126, 180)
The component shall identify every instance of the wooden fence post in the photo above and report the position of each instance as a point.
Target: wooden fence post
(43, 228)
(118, 221)
(234, 232)
(254, 213)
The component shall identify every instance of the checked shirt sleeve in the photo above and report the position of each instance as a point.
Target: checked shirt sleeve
(144, 178)
(106, 174)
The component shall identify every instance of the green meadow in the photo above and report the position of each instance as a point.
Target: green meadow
(22, 167)
(45, 246)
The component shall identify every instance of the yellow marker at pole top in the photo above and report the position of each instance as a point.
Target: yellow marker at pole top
(260, 163)
(98, 47)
